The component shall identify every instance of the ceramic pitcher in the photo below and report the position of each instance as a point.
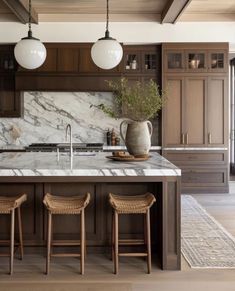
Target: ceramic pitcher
(138, 136)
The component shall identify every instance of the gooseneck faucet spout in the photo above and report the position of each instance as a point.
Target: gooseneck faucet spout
(69, 129)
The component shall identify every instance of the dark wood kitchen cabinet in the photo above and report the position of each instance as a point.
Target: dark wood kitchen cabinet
(50, 64)
(143, 62)
(86, 64)
(196, 112)
(10, 99)
(69, 66)
(195, 115)
(196, 109)
(68, 59)
(202, 171)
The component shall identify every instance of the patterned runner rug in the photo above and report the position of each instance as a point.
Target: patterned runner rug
(205, 242)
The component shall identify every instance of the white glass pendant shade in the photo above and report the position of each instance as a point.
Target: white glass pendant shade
(30, 53)
(106, 53)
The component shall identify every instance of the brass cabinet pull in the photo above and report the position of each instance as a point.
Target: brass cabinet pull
(209, 138)
(186, 138)
(183, 141)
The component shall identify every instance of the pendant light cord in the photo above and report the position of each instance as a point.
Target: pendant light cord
(30, 19)
(107, 20)
(107, 15)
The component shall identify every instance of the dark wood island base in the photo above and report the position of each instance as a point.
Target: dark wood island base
(165, 214)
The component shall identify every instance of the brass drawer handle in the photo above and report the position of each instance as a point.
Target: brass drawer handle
(186, 138)
(209, 138)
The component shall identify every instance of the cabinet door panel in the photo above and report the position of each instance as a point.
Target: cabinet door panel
(215, 111)
(50, 64)
(86, 64)
(193, 108)
(68, 59)
(172, 111)
(10, 100)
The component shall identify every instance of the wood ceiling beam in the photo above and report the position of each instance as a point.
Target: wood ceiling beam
(21, 12)
(173, 10)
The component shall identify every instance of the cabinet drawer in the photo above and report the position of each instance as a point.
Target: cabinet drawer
(204, 178)
(197, 158)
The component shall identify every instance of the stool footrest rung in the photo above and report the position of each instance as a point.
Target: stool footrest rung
(123, 242)
(65, 243)
(133, 254)
(65, 255)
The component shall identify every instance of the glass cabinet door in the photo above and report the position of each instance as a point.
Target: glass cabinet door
(174, 61)
(217, 61)
(150, 62)
(132, 62)
(196, 61)
(7, 62)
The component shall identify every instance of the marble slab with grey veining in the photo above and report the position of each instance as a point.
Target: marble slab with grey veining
(46, 115)
(84, 164)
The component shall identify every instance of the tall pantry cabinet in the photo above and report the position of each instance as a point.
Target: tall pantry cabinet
(195, 115)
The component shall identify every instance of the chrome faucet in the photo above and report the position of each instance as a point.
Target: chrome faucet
(69, 128)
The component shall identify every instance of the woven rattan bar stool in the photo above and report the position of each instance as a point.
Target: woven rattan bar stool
(74, 205)
(131, 205)
(8, 205)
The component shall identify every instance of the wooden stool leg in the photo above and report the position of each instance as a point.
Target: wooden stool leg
(148, 240)
(20, 233)
(145, 235)
(112, 237)
(115, 242)
(82, 242)
(12, 243)
(85, 250)
(48, 242)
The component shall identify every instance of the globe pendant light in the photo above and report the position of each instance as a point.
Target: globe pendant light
(107, 53)
(29, 52)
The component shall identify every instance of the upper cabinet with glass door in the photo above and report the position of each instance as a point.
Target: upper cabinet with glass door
(193, 58)
(174, 61)
(218, 61)
(142, 60)
(150, 62)
(196, 61)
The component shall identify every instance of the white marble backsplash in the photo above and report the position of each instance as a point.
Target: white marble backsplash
(46, 115)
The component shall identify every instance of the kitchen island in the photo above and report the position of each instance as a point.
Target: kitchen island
(38, 173)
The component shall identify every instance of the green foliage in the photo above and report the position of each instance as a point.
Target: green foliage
(138, 101)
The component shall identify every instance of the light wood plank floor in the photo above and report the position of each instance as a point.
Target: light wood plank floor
(98, 270)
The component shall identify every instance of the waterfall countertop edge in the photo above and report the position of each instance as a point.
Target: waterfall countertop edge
(95, 164)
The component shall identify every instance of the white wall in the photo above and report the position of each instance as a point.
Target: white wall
(141, 32)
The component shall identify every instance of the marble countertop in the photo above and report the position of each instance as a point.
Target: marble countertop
(84, 164)
(105, 148)
(122, 147)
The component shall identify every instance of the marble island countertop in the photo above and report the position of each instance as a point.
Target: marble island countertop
(87, 164)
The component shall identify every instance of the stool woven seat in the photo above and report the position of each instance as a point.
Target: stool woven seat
(7, 204)
(66, 205)
(131, 204)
